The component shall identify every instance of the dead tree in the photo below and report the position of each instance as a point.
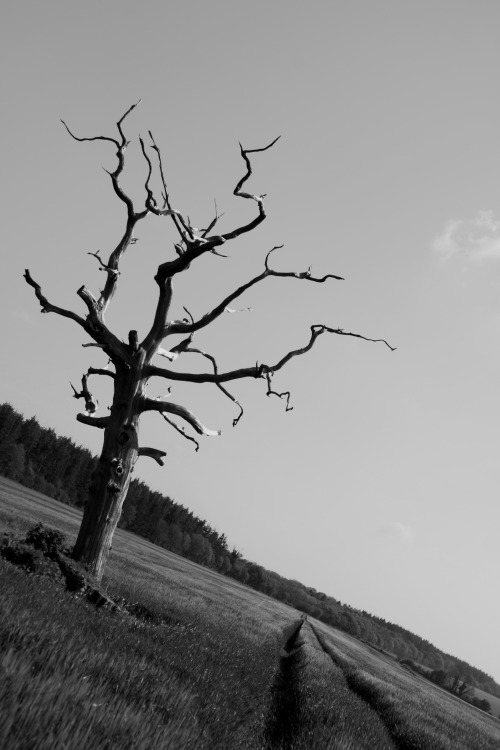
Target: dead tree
(133, 359)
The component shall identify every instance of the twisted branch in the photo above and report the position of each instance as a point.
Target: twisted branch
(219, 386)
(112, 266)
(191, 245)
(91, 403)
(258, 370)
(121, 147)
(182, 327)
(270, 392)
(259, 199)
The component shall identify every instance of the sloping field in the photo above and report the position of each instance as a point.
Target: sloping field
(492, 700)
(415, 712)
(209, 664)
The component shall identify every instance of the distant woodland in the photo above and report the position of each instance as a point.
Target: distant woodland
(38, 458)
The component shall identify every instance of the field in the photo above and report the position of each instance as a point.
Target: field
(202, 663)
(492, 699)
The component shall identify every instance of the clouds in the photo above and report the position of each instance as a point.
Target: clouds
(476, 240)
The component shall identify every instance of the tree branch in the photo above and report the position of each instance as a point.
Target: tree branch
(192, 246)
(214, 221)
(179, 411)
(103, 266)
(170, 355)
(111, 267)
(219, 386)
(91, 403)
(48, 307)
(100, 371)
(100, 422)
(97, 329)
(270, 392)
(155, 334)
(90, 302)
(181, 327)
(93, 138)
(120, 153)
(258, 370)
(153, 453)
(151, 203)
(182, 431)
(215, 240)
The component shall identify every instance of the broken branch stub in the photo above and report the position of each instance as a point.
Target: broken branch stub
(153, 453)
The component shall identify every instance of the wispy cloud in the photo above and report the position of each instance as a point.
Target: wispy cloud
(473, 239)
(398, 530)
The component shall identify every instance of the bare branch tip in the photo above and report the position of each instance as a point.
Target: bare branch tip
(257, 150)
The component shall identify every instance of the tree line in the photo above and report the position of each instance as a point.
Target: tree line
(38, 458)
(453, 682)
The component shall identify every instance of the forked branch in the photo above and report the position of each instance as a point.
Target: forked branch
(214, 221)
(120, 153)
(151, 203)
(192, 245)
(258, 370)
(182, 327)
(112, 266)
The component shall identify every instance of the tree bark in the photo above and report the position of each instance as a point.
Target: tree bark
(111, 479)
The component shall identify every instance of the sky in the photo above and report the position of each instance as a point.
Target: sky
(380, 488)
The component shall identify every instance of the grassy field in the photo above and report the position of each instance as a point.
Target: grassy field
(492, 699)
(416, 713)
(209, 664)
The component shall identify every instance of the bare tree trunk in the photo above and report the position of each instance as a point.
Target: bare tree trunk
(133, 361)
(112, 476)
